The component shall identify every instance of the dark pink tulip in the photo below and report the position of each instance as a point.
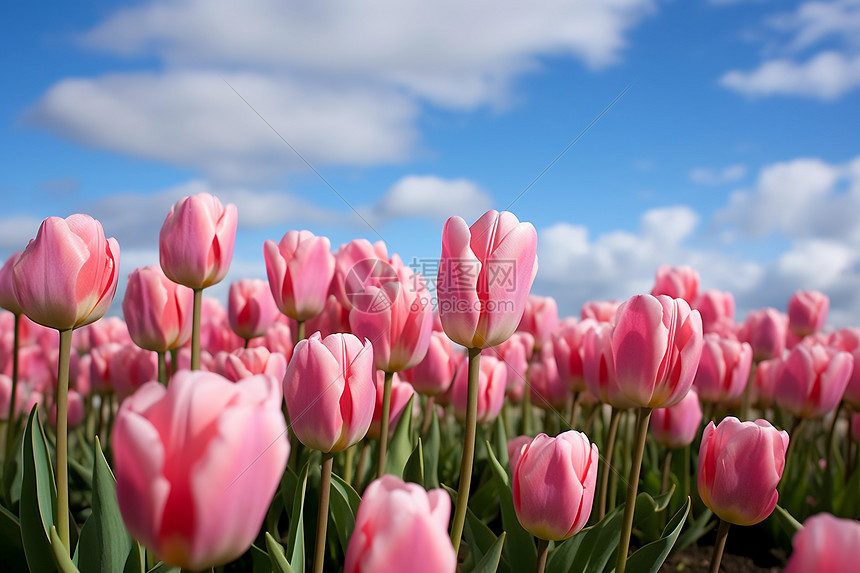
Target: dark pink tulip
(196, 241)
(330, 391)
(515, 352)
(485, 274)
(300, 269)
(718, 311)
(598, 367)
(548, 390)
(401, 392)
(197, 465)
(251, 309)
(553, 484)
(766, 374)
(8, 300)
(131, 367)
(540, 318)
(807, 312)
(724, 369)
(826, 544)
(568, 343)
(491, 389)
(848, 340)
(656, 345)
(766, 331)
(401, 527)
(599, 310)
(66, 277)
(677, 282)
(247, 362)
(676, 426)
(434, 374)
(157, 310)
(812, 380)
(740, 465)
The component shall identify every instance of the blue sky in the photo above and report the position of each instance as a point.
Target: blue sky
(735, 147)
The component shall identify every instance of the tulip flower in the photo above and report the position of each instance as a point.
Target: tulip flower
(812, 380)
(9, 301)
(676, 426)
(724, 369)
(247, 362)
(515, 352)
(807, 312)
(434, 374)
(548, 390)
(357, 263)
(718, 311)
(677, 282)
(491, 389)
(540, 318)
(400, 393)
(333, 318)
(251, 309)
(599, 310)
(766, 331)
(401, 527)
(568, 344)
(826, 544)
(131, 367)
(9, 401)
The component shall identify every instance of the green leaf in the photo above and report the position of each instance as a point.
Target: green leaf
(400, 447)
(12, 557)
(477, 534)
(13, 473)
(136, 562)
(343, 507)
(38, 496)
(296, 539)
(162, 567)
(787, 521)
(600, 542)
(520, 550)
(61, 554)
(500, 442)
(104, 544)
(414, 470)
(277, 556)
(651, 557)
(490, 562)
(432, 446)
(697, 529)
(561, 558)
(260, 560)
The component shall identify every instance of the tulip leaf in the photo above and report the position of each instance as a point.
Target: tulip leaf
(787, 521)
(12, 557)
(400, 447)
(13, 472)
(260, 560)
(162, 567)
(104, 544)
(136, 562)
(650, 557)
(490, 562)
(500, 442)
(697, 529)
(296, 540)
(38, 496)
(277, 556)
(343, 503)
(431, 447)
(561, 558)
(414, 470)
(599, 543)
(61, 554)
(520, 551)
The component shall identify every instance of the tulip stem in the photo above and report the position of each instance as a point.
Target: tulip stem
(543, 551)
(527, 404)
(195, 329)
(300, 331)
(383, 424)
(746, 397)
(162, 368)
(667, 469)
(12, 418)
(643, 416)
(607, 462)
(322, 511)
(362, 462)
(687, 459)
(719, 545)
(348, 463)
(62, 436)
(428, 414)
(468, 448)
(828, 456)
(574, 409)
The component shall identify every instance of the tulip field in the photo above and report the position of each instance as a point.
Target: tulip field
(349, 414)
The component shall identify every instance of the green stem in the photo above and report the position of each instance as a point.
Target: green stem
(642, 418)
(468, 448)
(667, 469)
(543, 551)
(195, 329)
(349, 458)
(849, 445)
(527, 404)
(174, 362)
(62, 518)
(162, 368)
(383, 424)
(322, 512)
(607, 462)
(362, 463)
(428, 414)
(300, 330)
(746, 399)
(687, 458)
(574, 410)
(12, 418)
(828, 456)
(719, 546)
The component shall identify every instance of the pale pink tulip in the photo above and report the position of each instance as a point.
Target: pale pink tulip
(131, 367)
(8, 300)
(598, 367)
(599, 310)
(807, 312)
(300, 269)
(568, 343)
(676, 426)
(251, 309)
(157, 310)
(247, 362)
(540, 318)
(357, 264)
(515, 352)
(812, 380)
(401, 392)
(766, 331)
(718, 311)
(548, 390)
(434, 374)
(724, 369)
(491, 389)
(826, 544)
(677, 282)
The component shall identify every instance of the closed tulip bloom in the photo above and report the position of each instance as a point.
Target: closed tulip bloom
(197, 465)
(196, 241)
(434, 374)
(540, 318)
(766, 331)
(66, 277)
(677, 282)
(656, 345)
(813, 379)
(300, 269)
(101, 362)
(157, 310)
(553, 484)
(357, 262)
(215, 332)
(247, 362)
(826, 544)
(718, 311)
(724, 369)
(330, 391)
(764, 382)
(740, 465)
(568, 344)
(485, 274)
(333, 318)
(110, 329)
(807, 312)
(131, 367)
(8, 300)
(491, 389)
(515, 449)
(599, 310)
(515, 352)
(251, 309)
(401, 527)
(401, 392)
(548, 390)
(676, 426)
(279, 338)
(598, 367)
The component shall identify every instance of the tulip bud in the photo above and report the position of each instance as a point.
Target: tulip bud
(250, 308)
(157, 310)
(540, 318)
(826, 544)
(676, 426)
(677, 282)
(300, 269)
(491, 389)
(807, 312)
(724, 369)
(812, 380)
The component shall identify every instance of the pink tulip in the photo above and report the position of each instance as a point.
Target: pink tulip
(247, 362)
(677, 282)
(766, 331)
(196, 241)
(485, 274)
(599, 310)
(109, 329)
(434, 374)
(101, 376)
(598, 367)
(401, 392)
(548, 390)
(357, 262)
(740, 465)
(515, 352)
(251, 309)
(718, 311)
(553, 484)
(515, 449)
(279, 338)
(215, 332)
(724, 369)
(540, 318)
(197, 465)
(491, 389)
(157, 310)
(656, 345)
(812, 380)
(766, 374)
(333, 318)
(401, 527)
(6, 396)
(132, 367)
(300, 269)
(826, 544)
(66, 277)
(676, 426)
(807, 312)
(848, 340)
(8, 300)
(330, 391)
(569, 347)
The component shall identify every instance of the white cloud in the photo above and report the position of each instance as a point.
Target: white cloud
(827, 76)
(434, 197)
(712, 176)
(16, 231)
(814, 22)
